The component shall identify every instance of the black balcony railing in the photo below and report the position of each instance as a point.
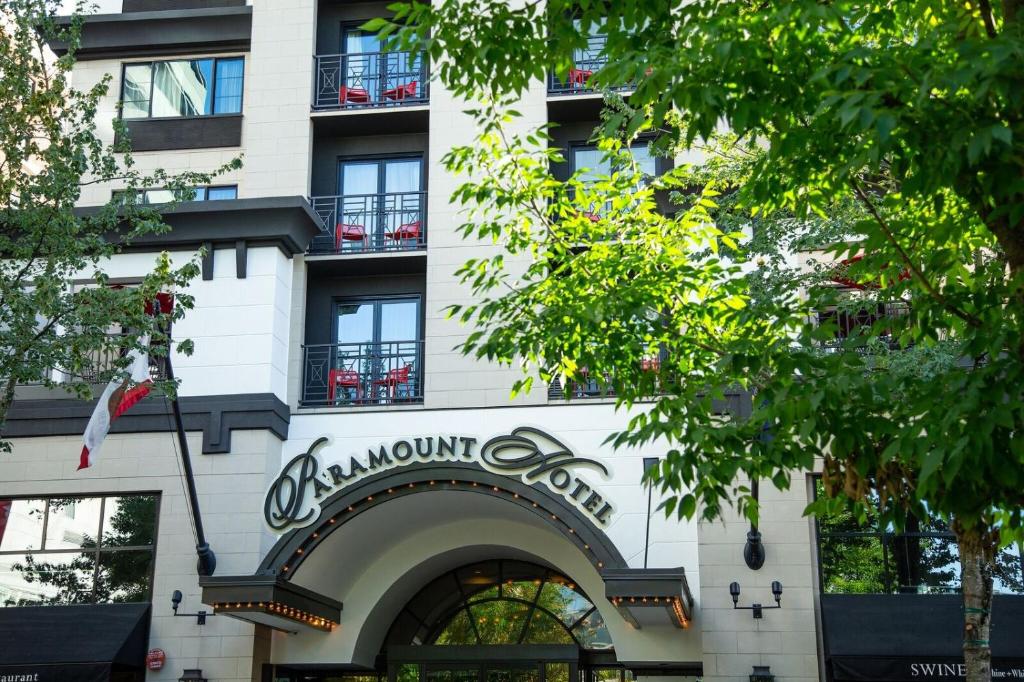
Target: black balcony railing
(586, 63)
(100, 368)
(371, 222)
(344, 374)
(370, 79)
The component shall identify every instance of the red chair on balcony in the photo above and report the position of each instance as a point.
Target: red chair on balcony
(578, 77)
(353, 95)
(650, 364)
(344, 378)
(407, 232)
(393, 379)
(401, 92)
(346, 232)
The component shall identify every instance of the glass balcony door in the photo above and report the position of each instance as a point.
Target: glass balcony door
(377, 342)
(380, 198)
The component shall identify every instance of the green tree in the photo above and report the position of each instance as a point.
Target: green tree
(911, 112)
(49, 151)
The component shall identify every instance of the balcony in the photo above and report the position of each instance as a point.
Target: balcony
(99, 369)
(369, 80)
(362, 374)
(586, 63)
(364, 223)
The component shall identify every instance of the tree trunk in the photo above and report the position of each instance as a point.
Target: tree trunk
(977, 556)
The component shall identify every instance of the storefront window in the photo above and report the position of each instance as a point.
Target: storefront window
(866, 559)
(77, 550)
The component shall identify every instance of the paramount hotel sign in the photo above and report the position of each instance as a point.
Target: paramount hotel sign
(531, 454)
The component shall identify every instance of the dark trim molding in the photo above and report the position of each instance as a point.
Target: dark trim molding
(346, 504)
(196, 132)
(166, 32)
(161, 5)
(285, 222)
(215, 415)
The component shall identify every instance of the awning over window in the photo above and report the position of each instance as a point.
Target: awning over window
(80, 643)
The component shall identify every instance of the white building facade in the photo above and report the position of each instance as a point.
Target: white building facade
(378, 505)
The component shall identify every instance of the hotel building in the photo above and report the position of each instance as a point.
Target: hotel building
(379, 507)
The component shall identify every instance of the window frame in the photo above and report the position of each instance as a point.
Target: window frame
(213, 91)
(100, 550)
(644, 141)
(377, 301)
(205, 191)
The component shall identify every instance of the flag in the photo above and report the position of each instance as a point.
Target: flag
(118, 396)
(5, 513)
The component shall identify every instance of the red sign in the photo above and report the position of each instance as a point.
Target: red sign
(155, 659)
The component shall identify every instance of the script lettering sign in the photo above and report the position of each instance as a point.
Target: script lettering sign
(528, 453)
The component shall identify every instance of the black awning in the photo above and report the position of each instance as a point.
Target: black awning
(78, 643)
(916, 669)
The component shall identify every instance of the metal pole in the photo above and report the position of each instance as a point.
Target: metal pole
(649, 463)
(207, 563)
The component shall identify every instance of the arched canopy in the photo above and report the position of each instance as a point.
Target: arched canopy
(500, 602)
(350, 502)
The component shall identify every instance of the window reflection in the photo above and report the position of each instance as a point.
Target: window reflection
(76, 550)
(182, 88)
(924, 559)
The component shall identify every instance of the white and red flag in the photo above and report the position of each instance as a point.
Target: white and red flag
(119, 395)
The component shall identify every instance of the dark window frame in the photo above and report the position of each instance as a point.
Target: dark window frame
(100, 550)
(213, 91)
(381, 160)
(338, 301)
(583, 145)
(885, 538)
(205, 190)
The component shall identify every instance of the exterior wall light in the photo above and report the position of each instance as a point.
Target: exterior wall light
(762, 673)
(200, 615)
(758, 609)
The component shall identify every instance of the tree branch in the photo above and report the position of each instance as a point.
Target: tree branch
(985, 7)
(908, 261)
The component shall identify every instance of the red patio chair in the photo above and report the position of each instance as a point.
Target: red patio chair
(578, 77)
(401, 92)
(354, 95)
(406, 232)
(345, 232)
(393, 379)
(650, 364)
(346, 378)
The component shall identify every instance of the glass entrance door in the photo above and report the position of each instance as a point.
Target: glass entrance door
(383, 198)
(507, 674)
(377, 342)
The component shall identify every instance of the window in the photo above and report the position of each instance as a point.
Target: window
(164, 196)
(924, 559)
(596, 164)
(501, 602)
(182, 87)
(77, 550)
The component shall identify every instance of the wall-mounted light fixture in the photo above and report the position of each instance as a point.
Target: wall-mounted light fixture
(200, 615)
(196, 675)
(758, 609)
(762, 673)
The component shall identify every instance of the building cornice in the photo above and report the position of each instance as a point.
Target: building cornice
(166, 32)
(288, 223)
(215, 415)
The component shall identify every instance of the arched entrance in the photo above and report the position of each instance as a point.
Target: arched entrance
(499, 620)
(495, 621)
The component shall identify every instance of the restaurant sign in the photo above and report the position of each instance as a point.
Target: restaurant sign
(530, 454)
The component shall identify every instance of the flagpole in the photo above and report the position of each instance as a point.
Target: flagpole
(207, 563)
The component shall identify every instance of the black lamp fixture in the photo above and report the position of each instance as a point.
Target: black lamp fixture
(196, 675)
(200, 615)
(758, 609)
(762, 673)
